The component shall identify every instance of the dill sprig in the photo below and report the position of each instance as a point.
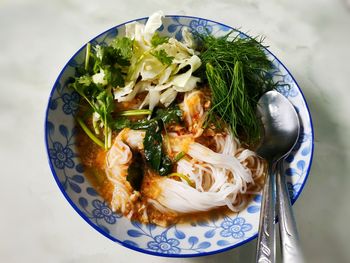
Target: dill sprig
(236, 70)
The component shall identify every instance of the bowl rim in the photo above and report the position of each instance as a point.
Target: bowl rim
(75, 207)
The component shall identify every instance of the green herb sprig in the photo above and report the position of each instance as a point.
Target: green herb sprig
(163, 57)
(158, 40)
(236, 70)
(110, 60)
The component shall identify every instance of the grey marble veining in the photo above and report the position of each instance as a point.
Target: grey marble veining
(37, 37)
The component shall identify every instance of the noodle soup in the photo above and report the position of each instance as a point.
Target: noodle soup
(221, 173)
(164, 135)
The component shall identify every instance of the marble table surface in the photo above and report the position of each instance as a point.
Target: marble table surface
(38, 36)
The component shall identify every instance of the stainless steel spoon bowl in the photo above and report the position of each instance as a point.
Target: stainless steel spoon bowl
(281, 126)
(281, 130)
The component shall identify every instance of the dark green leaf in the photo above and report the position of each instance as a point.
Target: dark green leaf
(145, 124)
(153, 148)
(169, 115)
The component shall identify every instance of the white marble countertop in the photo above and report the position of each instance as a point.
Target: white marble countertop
(37, 37)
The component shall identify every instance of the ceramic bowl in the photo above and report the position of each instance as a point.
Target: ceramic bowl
(182, 240)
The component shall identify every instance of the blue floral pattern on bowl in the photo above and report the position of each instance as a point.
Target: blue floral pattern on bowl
(61, 156)
(164, 245)
(200, 26)
(195, 238)
(103, 211)
(235, 228)
(71, 102)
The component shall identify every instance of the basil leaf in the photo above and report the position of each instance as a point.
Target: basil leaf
(153, 148)
(170, 115)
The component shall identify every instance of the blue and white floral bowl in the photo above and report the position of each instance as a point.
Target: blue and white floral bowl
(182, 240)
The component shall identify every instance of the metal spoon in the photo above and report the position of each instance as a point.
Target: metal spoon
(281, 130)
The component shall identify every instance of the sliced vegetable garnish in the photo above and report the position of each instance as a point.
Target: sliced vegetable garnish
(184, 177)
(135, 112)
(87, 55)
(90, 134)
(179, 156)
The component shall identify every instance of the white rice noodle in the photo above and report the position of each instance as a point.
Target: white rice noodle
(220, 142)
(182, 198)
(220, 179)
(157, 205)
(242, 175)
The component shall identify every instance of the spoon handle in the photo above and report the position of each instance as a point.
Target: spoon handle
(266, 240)
(290, 245)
